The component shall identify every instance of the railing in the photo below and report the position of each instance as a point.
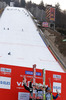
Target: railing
(52, 51)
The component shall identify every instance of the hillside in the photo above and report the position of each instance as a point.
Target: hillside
(57, 44)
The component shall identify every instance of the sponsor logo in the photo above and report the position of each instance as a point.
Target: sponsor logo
(56, 87)
(23, 96)
(31, 73)
(57, 76)
(5, 82)
(5, 70)
(20, 83)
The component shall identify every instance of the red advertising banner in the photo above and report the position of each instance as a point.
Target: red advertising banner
(11, 81)
(52, 14)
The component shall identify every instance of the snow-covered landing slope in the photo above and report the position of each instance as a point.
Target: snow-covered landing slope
(19, 38)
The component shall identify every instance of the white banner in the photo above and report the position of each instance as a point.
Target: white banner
(5, 82)
(56, 86)
(56, 76)
(23, 96)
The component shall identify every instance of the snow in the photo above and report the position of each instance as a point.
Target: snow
(20, 37)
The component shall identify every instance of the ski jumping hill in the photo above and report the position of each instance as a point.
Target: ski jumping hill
(20, 42)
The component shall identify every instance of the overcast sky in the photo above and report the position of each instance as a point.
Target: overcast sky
(53, 2)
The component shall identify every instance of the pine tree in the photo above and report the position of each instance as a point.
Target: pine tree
(23, 3)
(7, 1)
(41, 5)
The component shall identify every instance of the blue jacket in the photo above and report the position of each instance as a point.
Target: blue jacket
(48, 96)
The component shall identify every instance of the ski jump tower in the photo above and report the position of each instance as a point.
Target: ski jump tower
(20, 47)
